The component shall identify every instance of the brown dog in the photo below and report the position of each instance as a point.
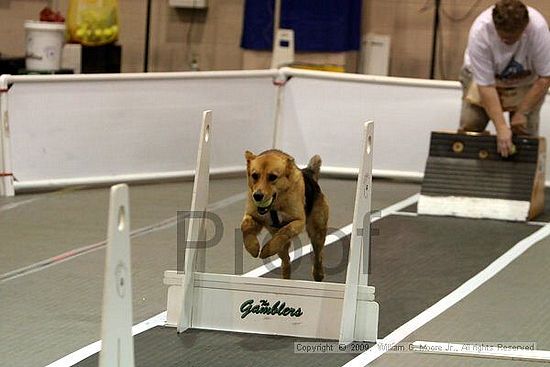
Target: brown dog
(284, 199)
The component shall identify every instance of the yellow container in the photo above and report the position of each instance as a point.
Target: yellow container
(324, 67)
(92, 22)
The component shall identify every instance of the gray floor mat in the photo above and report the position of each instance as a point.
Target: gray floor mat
(415, 262)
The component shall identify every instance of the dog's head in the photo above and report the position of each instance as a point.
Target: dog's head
(268, 177)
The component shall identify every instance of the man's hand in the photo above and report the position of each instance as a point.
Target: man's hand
(534, 96)
(491, 103)
(504, 141)
(519, 124)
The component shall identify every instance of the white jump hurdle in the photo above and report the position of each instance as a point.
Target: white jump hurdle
(235, 303)
(117, 343)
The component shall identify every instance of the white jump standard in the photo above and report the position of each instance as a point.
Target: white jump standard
(117, 343)
(237, 303)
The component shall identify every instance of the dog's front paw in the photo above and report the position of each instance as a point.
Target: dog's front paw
(252, 245)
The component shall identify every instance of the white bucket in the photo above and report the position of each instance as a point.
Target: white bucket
(44, 45)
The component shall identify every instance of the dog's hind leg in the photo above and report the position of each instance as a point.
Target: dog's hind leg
(316, 228)
(285, 261)
(318, 243)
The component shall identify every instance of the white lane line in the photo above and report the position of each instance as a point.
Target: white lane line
(406, 214)
(160, 319)
(485, 350)
(392, 209)
(37, 197)
(415, 214)
(227, 201)
(91, 349)
(77, 356)
(382, 346)
(16, 204)
(74, 253)
(331, 238)
(536, 223)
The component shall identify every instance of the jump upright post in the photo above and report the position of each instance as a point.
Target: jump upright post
(117, 343)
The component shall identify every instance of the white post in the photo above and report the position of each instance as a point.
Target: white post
(283, 48)
(279, 100)
(283, 41)
(276, 18)
(6, 174)
(195, 234)
(117, 344)
(360, 238)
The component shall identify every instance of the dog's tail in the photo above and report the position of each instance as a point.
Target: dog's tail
(314, 166)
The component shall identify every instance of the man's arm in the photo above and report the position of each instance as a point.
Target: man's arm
(533, 96)
(491, 103)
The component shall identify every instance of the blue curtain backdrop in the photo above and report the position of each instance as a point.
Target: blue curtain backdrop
(319, 25)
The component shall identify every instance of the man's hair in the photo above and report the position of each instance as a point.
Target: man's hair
(510, 16)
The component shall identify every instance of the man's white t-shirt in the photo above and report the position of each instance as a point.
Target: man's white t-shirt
(492, 62)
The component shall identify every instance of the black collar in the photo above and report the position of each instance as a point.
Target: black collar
(275, 219)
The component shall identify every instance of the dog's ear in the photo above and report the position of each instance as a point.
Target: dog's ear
(248, 155)
(289, 165)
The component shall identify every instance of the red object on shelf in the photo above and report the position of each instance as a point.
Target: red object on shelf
(48, 15)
